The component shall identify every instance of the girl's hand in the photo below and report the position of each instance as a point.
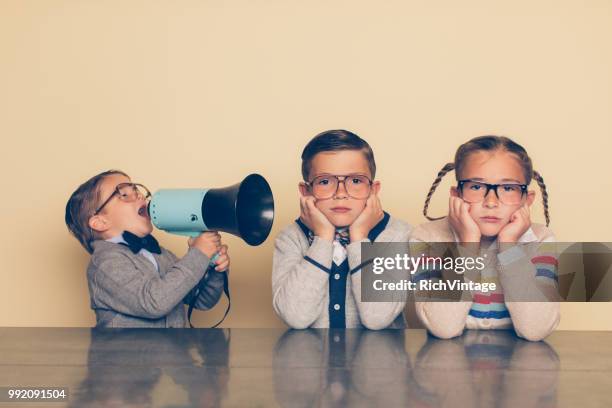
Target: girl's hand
(369, 217)
(315, 219)
(520, 221)
(223, 261)
(461, 220)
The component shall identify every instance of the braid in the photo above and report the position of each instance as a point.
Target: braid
(447, 167)
(538, 178)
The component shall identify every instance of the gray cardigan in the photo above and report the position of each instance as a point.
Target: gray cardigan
(126, 290)
(300, 281)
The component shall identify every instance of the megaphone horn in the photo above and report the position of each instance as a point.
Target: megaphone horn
(245, 209)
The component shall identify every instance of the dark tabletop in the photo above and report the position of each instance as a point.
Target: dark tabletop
(305, 368)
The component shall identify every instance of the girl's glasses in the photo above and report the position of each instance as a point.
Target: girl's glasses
(357, 186)
(476, 191)
(127, 192)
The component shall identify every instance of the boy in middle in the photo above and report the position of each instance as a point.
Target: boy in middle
(316, 276)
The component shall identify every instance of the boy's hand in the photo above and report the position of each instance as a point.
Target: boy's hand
(208, 242)
(223, 261)
(520, 221)
(315, 219)
(369, 217)
(462, 222)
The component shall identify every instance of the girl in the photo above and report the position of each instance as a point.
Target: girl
(489, 215)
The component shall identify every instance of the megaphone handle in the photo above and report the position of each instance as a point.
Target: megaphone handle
(214, 258)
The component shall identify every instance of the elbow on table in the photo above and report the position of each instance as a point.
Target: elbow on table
(375, 322)
(539, 331)
(437, 321)
(447, 332)
(297, 322)
(293, 318)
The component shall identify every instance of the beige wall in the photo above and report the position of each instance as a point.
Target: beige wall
(200, 93)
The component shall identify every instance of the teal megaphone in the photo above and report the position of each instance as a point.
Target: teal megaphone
(245, 209)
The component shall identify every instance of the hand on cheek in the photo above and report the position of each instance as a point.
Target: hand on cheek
(520, 221)
(461, 220)
(314, 219)
(369, 217)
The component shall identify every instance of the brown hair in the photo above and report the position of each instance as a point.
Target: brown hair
(333, 141)
(490, 143)
(81, 206)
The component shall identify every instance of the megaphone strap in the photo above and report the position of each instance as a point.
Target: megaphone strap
(197, 293)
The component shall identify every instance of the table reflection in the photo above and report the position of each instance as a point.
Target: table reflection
(370, 368)
(125, 365)
(303, 368)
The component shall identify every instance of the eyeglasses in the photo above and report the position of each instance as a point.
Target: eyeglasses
(127, 192)
(475, 191)
(357, 186)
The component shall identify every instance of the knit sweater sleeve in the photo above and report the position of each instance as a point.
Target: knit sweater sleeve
(378, 315)
(528, 275)
(443, 319)
(300, 278)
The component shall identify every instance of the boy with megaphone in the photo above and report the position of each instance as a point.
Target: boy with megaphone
(133, 282)
(316, 274)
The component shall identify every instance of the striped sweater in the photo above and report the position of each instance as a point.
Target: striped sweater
(505, 307)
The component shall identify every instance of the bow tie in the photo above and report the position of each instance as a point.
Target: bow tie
(135, 243)
(342, 236)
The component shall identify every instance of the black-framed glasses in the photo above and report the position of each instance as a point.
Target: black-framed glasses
(357, 186)
(476, 191)
(127, 192)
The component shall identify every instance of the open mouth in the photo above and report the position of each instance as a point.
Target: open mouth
(142, 211)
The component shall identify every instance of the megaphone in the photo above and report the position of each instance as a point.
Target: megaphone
(245, 209)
